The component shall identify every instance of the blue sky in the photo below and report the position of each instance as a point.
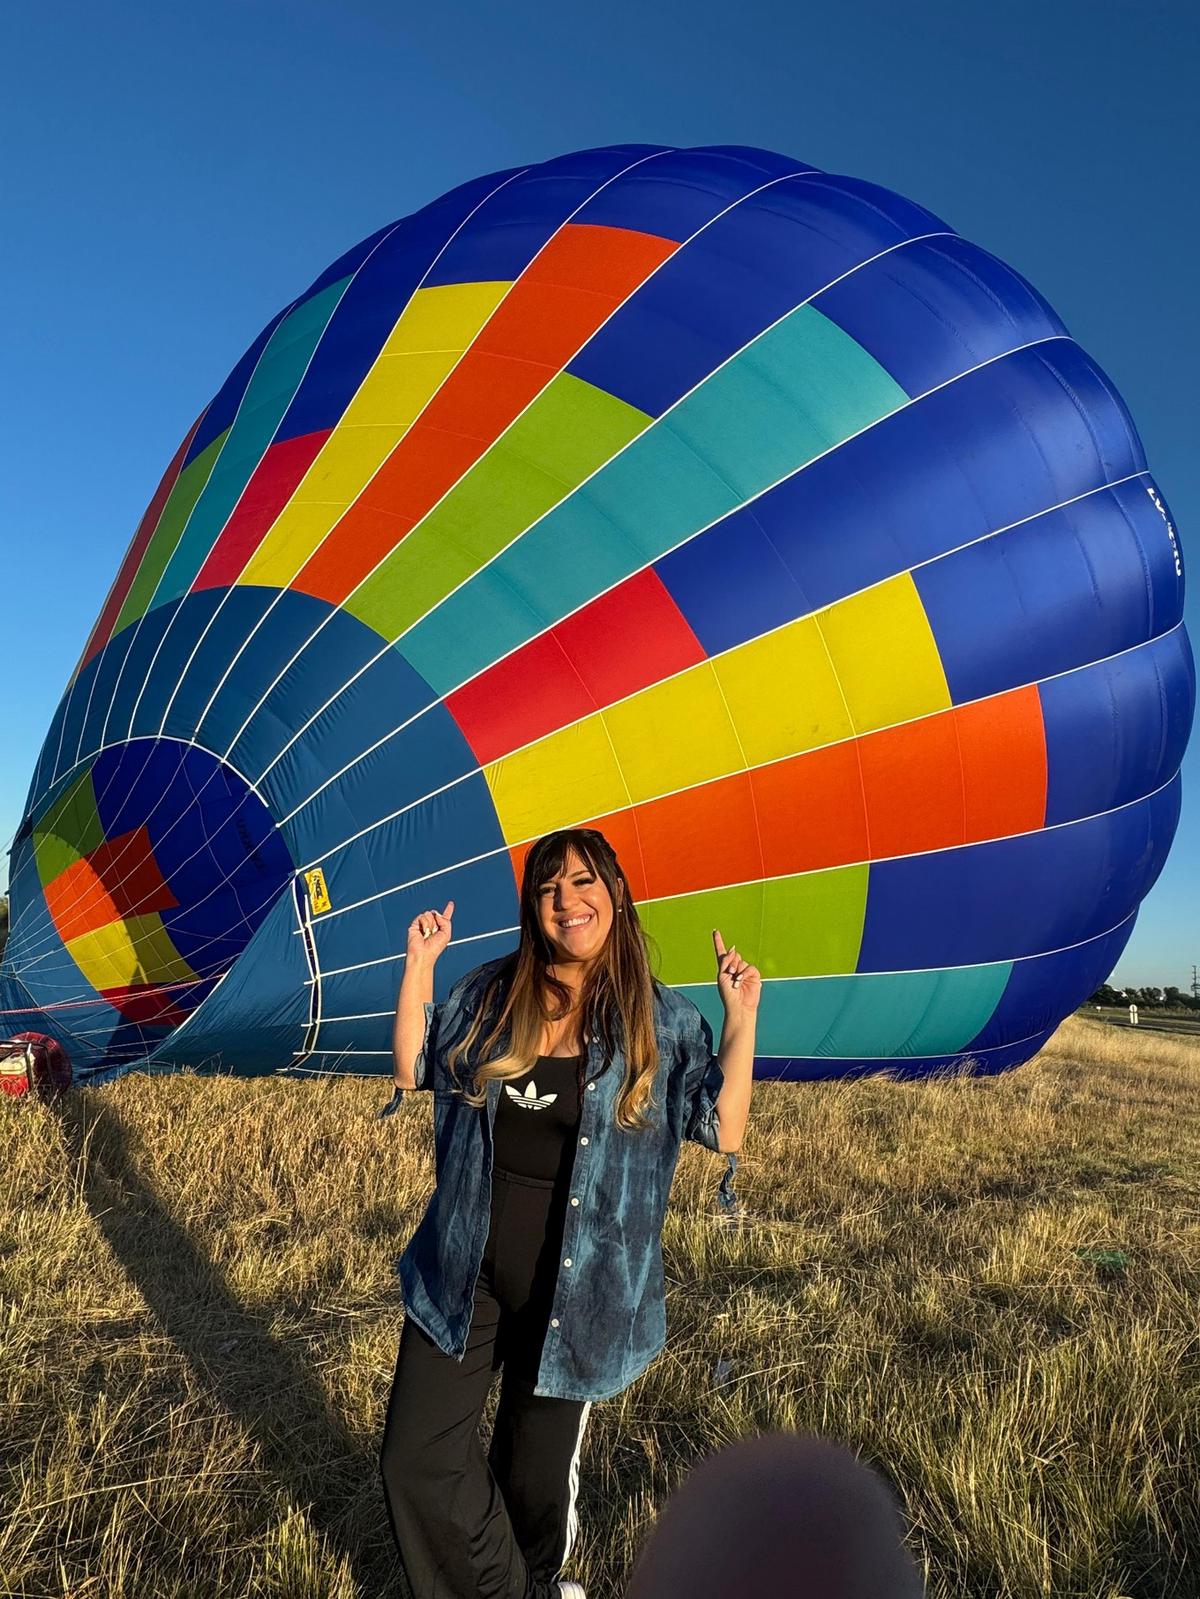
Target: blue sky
(175, 174)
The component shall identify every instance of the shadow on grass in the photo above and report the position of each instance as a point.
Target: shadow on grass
(300, 1439)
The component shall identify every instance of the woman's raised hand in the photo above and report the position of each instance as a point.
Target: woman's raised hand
(738, 983)
(429, 933)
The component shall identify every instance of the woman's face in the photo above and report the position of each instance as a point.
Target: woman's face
(576, 912)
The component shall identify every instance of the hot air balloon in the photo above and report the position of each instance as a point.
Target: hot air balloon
(743, 511)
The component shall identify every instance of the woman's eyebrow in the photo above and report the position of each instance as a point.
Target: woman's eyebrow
(582, 872)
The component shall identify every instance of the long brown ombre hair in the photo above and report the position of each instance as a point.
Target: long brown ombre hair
(616, 999)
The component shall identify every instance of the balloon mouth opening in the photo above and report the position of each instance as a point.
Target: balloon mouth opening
(157, 864)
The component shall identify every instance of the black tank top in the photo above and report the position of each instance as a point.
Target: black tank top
(537, 1118)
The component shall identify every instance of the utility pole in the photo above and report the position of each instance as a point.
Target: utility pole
(1195, 981)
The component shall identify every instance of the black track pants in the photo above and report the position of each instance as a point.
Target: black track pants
(500, 1526)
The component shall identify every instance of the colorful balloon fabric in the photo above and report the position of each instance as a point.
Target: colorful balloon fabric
(740, 510)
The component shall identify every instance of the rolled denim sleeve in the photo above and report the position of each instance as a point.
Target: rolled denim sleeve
(423, 1073)
(702, 1084)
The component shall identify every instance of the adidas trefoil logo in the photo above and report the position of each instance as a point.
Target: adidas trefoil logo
(530, 1099)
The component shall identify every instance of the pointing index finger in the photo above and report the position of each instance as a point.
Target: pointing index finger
(718, 942)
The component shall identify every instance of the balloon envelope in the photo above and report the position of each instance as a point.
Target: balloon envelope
(743, 511)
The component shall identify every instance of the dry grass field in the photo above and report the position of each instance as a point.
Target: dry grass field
(987, 1288)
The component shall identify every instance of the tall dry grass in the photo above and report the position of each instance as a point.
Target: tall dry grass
(988, 1288)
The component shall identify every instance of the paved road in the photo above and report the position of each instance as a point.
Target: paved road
(1146, 1018)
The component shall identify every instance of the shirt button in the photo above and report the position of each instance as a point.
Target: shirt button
(574, 1201)
(591, 1088)
(567, 1262)
(583, 1140)
(554, 1321)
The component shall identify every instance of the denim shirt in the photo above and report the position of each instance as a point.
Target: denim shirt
(608, 1316)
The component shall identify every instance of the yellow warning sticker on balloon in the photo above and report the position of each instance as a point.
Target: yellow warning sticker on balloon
(318, 893)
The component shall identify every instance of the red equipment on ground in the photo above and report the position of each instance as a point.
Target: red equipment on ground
(34, 1063)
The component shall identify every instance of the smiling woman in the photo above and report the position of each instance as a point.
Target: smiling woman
(540, 1248)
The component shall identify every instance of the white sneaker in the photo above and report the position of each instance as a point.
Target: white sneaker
(571, 1590)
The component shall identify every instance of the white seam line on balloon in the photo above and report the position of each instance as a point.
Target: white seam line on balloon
(1007, 960)
(674, 256)
(808, 871)
(383, 960)
(1015, 688)
(651, 424)
(894, 1061)
(759, 1054)
(168, 738)
(1031, 344)
(742, 199)
(787, 477)
(361, 267)
(475, 771)
(362, 1016)
(751, 194)
(808, 977)
(64, 708)
(51, 946)
(181, 451)
(316, 974)
(179, 604)
(115, 1021)
(296, 1071)
(149, 1048)
(31, 860)
(360, 1053)
(182, 598)
(444, 247)
(230, 588)
(106, 1032)
(137, 626)
(762, 857)
(52, 938)
(309, 949)
(521, 275)
(787, 177)
(995, 533)
(337, 1072)
(295, 304)
(192, 741)
(366, 378)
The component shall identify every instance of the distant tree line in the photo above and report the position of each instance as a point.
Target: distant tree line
(1169, 998)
